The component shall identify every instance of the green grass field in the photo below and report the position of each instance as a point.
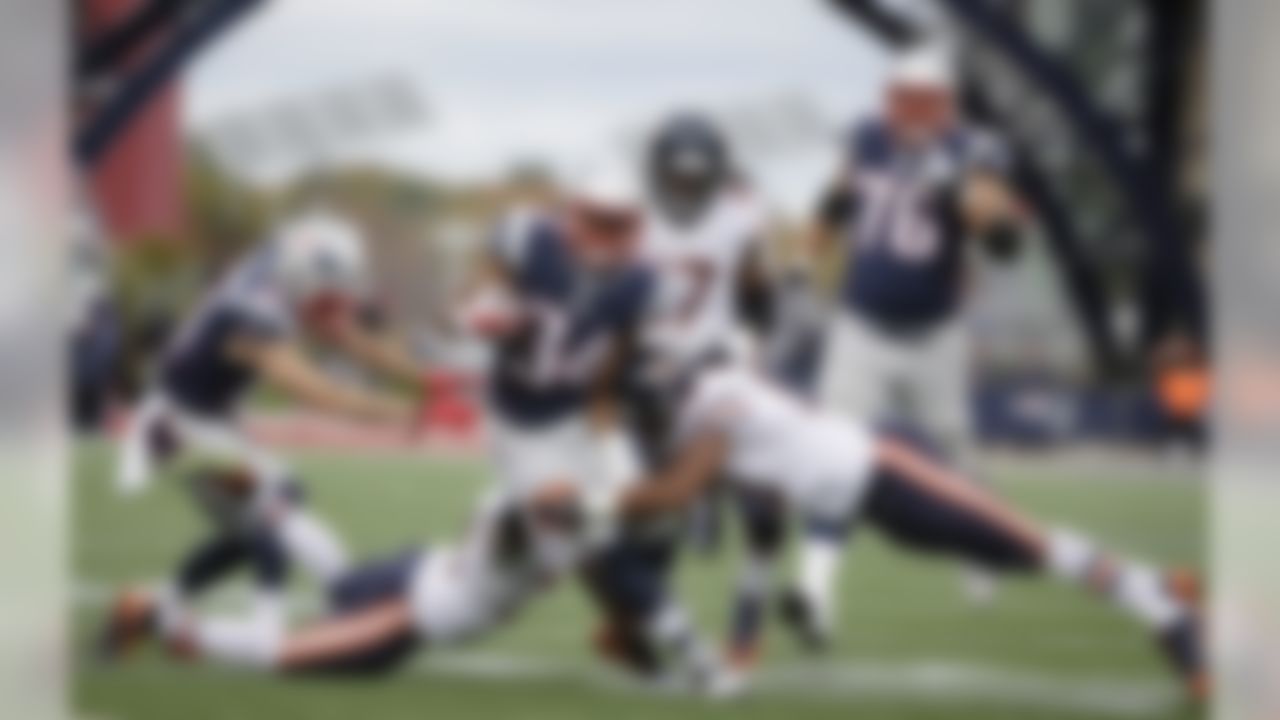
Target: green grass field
(910, 647)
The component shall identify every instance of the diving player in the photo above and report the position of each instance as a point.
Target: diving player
(735, 424)
(918, 187)
(307, 281)
(519, 543)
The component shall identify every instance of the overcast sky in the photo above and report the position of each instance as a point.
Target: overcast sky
(553, 80)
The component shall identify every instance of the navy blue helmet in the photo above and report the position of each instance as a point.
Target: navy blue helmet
(688, 164)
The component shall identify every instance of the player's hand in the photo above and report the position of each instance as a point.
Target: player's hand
(557, 504)
(428, 390)
(491, 313)
(986, 202)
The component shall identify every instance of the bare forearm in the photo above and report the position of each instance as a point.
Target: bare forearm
(385, 354)
(286, 368)
(677, 486)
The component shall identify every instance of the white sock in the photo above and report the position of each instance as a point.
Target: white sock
(1141, 590)
(672, 632)
(171, 610)
(1071, 556)
(1136, 588)
(314, 545)
(819, 565)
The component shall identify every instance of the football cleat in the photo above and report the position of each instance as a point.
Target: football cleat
(1183, 642)
(131, 619)
(1183, 645)
(799, 615)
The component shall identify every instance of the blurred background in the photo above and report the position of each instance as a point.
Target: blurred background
(198, 123)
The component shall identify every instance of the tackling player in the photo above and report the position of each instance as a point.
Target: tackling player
(736, 425)
(305, 283)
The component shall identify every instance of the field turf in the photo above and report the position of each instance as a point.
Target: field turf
(909, 647)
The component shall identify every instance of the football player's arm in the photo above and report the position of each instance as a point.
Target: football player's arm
(283, 364)
(378, 350)
(989, 206)
(487, 307)
(604, 407)
(686, 477)
(755, 290)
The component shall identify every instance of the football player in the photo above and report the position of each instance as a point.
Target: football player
(703, 237)
(380, 612)
(734, 424)
(306, 282)
(558, 297)
(918, 187)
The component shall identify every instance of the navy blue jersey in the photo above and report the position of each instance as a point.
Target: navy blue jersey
(196, 370)
(546, 371)
(907, 259)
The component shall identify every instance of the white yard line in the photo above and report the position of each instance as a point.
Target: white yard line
(927, 680)
(931, 680)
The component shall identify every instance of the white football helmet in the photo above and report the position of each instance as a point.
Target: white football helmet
(926, 67)
(321, 253)
(607, 185)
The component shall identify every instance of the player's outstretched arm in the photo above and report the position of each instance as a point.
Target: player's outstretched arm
(680, 482)
(378, 350)
(285, 366)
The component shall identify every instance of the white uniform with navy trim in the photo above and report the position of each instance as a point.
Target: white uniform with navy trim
(698, 266)
(462, 590)
(819, 461)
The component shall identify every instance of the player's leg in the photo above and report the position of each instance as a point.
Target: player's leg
(764, 530)
(370, 631)
(860, 372)
(809, 606)
(267, 494)
(149, 440)
(231, 544)
(922, 504)
(646, 628)
(624, 591)
(374, 629)
(369, 640)
(942, 390)
(279, 503)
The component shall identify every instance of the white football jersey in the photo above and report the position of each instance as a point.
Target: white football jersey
(698, 267)
(465, 589)
(819, 461)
